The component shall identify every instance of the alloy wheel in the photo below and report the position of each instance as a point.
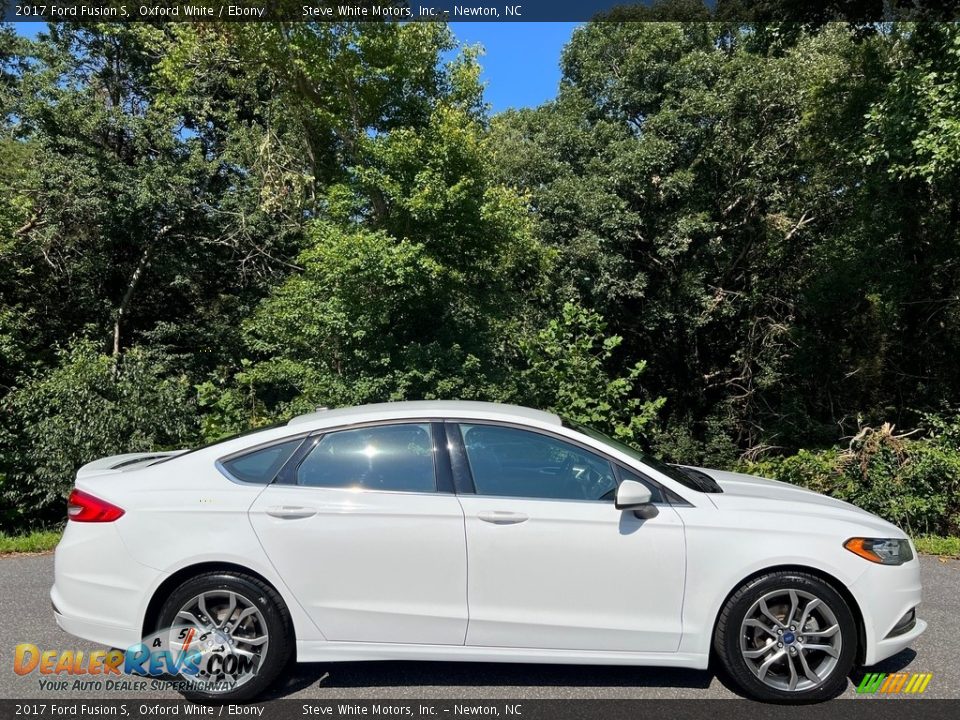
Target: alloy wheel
(230, 633)
(791, 640)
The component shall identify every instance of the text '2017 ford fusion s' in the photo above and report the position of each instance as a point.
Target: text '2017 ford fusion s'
(466, 531)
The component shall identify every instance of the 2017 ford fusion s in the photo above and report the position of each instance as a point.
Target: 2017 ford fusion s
(474, 531)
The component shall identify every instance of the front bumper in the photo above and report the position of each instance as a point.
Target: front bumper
(891, 646)
(885, 595)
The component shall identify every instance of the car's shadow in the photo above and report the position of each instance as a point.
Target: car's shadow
(386, 674)
(452, 674)
(894, 663)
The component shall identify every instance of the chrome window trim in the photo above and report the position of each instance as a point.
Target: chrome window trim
(317, 436)
(357, 490)
(219, 462)
(576, 443)
(365, 491)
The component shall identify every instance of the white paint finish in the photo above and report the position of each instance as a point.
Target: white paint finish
(97, 585)
(390, 569)
(889, 647)
(725, 548)
(371, 566)
(426, 409)
(574, 576)
(886, 594)
(177, 516)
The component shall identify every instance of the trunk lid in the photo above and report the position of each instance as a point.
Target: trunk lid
(115, 464)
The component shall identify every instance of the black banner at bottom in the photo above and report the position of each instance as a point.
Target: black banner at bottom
(860, 708)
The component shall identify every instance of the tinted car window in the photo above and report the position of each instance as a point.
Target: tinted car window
(689, 478)
(261, 466)
(512, 462)
(388, 457)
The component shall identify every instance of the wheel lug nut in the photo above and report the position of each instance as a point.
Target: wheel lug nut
(779, 644)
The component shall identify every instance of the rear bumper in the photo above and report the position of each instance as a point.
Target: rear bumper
(100, 592)
(113, 636)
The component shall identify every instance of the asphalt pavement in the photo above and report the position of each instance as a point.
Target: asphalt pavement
(25, 617)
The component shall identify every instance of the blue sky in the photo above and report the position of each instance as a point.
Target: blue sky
(521, 67)
(521, 64)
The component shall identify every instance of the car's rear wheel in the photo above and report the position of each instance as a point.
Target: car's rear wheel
(235, 630)
(787, 637)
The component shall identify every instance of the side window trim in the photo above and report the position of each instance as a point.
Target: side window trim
(458, 456)
(288, 473)
(442, 467)
(287, 476)
(462, 475)
(670, 498)
(220, 463)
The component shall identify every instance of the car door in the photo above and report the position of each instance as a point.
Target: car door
(552, 563)
(369, 536)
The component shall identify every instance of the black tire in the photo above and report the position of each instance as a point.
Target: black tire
(280, 648)
(730, 635)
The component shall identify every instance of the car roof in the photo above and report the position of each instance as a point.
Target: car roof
(425, 409)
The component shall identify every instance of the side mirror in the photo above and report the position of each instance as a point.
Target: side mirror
(632, 495)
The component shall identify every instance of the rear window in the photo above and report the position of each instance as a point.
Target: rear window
(261, 466)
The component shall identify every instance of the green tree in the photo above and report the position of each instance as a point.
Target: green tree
(570, 367)
(421, 279)
(82, 410)
(412, 300)
(763, 213)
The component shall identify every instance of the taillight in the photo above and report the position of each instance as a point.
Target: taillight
(82, 507)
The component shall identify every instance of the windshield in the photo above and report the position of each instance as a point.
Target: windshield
(692, 479)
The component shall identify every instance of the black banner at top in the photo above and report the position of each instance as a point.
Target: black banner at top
(804, 11)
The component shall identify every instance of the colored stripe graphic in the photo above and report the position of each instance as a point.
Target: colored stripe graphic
(912, 683)
(896, 682)
(871, 682)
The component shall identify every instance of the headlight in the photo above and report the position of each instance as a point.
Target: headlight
(885, 551)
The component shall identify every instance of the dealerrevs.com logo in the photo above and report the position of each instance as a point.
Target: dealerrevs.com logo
(186, 656)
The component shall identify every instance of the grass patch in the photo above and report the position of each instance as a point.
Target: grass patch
(938, 545)
(35, 542)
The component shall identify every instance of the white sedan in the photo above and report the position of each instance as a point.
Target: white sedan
(467, 531)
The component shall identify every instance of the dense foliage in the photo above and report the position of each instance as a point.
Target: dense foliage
(914, 483)
(730, 241)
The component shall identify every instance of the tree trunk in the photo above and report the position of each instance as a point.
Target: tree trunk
(127, 298)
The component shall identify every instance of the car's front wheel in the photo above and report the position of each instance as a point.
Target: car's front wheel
(233, 629)
(787, 637)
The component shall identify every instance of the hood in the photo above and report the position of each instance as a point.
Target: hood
(122, 463)
(749, 492)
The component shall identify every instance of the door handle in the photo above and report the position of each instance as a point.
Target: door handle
(501, 517)
(291, 512)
